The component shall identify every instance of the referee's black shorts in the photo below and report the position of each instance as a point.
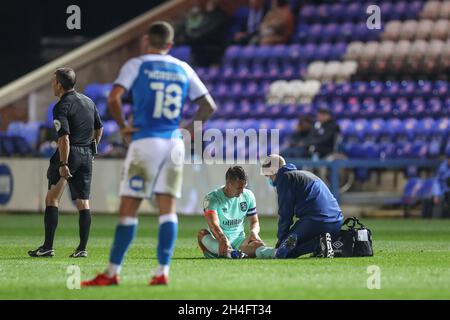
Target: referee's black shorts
(80, 165)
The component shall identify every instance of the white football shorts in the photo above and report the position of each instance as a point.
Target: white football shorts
(153, 166)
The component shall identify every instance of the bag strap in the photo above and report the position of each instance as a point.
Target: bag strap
(355, 222)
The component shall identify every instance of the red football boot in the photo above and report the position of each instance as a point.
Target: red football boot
(159, 280)
(101, 280)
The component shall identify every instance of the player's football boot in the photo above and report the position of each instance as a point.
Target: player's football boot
(79, 254)
(237, 254)
(41, 252)
(159, 280)
(326, 248)
(286, 247)
(101, 280)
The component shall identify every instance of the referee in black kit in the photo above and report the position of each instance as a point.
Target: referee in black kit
(79, 129)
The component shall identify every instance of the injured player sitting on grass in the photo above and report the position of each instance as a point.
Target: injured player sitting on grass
(225, 210)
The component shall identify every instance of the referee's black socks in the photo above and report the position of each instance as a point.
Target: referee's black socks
(85, 226)
(50, 222)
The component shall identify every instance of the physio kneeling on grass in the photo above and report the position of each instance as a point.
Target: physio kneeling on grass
(305, 196)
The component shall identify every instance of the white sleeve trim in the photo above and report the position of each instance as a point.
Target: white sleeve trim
(128, 73)
(197, 88)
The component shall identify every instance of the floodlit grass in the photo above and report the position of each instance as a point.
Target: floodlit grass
(413, 256)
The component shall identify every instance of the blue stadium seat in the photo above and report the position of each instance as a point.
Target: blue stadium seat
(411, 190)
(410, 126)
(183, 53)
(435, 108)
(426, 191)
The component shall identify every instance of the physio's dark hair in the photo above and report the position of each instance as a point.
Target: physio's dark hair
(282, 3)
(160, 34)
(236, 173)
(66, 77)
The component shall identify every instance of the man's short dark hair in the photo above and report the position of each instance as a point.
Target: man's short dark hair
(66, 77)
(282, 3)
(236, 173)
(161, 34)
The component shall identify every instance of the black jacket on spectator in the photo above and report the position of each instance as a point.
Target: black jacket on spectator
(323, 137)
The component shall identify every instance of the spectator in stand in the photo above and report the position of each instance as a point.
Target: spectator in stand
(193, 21)
(293, 147)
(205, 32)
(323, 136)
(278, 24)
(321, 139)
(256, 13)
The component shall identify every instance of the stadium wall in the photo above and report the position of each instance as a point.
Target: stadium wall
(23, 186)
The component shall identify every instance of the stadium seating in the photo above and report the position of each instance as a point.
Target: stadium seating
(388, 88)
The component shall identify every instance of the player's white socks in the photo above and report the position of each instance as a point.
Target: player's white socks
(265, 253)
(162, 270)
(113, 269)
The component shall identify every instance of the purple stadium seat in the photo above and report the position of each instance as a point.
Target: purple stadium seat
(338, 50)
(309, 53)
(425, 88)
(361, 128)
(354, 12)
(359, 89)
(323, 11)
(441, 89)
(375, 89)
(395, 128)
(183, 53)
(443, 127)
(347, 128)
(387, 150)
(338, 108)
(314, 33)
(94, 90)
(426, 128)
(294, 52)
(374, 130)
(400, 11)
(324, 52)
(434, 148)
(386, 108)
(408, 89)
(302, 33)
(262, 54)
(232, 53)
(401, 107)
(418, 107)
(352, 108)
(387, 11)
(110, 127)
(337, 13)
(410, 125)
(247, 53)
(369, 107)
(392, 89)
(236, 89)
(307, 14)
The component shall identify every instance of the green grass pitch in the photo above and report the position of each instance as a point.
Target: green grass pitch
(413, 256)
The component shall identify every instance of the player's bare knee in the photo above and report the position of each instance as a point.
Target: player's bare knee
(201, 234)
